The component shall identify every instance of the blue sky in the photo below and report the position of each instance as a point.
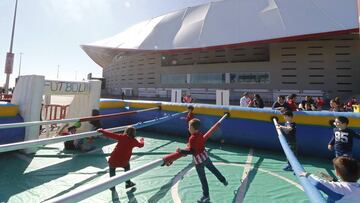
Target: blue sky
(50, 32)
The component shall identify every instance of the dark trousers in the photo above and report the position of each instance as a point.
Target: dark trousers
(112, 172)
(292, 146)
(342, 153)
(200, 169)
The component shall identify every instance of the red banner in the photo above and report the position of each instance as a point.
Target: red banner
(9, 63)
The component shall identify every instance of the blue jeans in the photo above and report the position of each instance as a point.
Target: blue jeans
(200, 169)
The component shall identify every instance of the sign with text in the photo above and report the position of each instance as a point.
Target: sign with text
(9, 63)
(55, 87)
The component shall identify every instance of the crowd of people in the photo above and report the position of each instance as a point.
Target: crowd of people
(290, 103)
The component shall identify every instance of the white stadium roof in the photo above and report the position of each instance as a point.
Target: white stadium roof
(231, 22)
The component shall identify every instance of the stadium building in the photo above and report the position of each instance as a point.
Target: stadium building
(270, 47)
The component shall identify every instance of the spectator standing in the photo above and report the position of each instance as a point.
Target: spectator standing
(258, 102)
(280, 104)
(245, 100)
(334, 106)
(319, 103)
(187, 99)
(307, 100)
(308, 107)
(291, 101)
(350, 103)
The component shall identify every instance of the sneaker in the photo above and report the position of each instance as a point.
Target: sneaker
(225, 183)
(129, 185)
(288, 168)
(204, 200)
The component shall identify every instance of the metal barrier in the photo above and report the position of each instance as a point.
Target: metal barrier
(40, 142)
(311, 192)
(54, 112)
(80, 194)
(69, 120)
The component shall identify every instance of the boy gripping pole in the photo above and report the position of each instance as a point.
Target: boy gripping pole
(121, 154)
(289, 132)
(346, 190)
(196, 147)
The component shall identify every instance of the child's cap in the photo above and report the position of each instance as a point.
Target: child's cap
(77, 124)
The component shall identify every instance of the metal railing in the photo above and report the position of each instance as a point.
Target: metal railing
(70, 120)
(41, 142)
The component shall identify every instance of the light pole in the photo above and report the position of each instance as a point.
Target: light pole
(10, 56)
(57, 75)
(20, 64)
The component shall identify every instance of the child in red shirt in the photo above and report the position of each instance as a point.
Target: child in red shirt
(319, 103)
(291, 101)
(190, 114)
(196, 147)
(121, 154)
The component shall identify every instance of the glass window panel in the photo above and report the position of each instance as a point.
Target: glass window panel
(173, 79)
(250, 78)
(207, 78)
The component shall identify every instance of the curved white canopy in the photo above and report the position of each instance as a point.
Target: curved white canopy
(230, 22)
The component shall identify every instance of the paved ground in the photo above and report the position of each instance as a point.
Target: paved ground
(253, 175)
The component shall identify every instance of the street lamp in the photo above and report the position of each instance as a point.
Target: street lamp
(10, 56)
(57, 74)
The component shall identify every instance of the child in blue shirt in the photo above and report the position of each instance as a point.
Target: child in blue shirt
(342, 140)
(346, 190)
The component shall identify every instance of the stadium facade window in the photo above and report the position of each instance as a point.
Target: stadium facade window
(173, 79)
(250, 78)
(207, 78)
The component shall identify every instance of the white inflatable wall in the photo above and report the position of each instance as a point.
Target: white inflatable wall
(30, 89)
(83, 104)
(28, 96)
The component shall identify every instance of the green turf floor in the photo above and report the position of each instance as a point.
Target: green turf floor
(52, 172)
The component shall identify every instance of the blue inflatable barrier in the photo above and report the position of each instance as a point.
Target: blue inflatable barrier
(12, 134)
(249, 127)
